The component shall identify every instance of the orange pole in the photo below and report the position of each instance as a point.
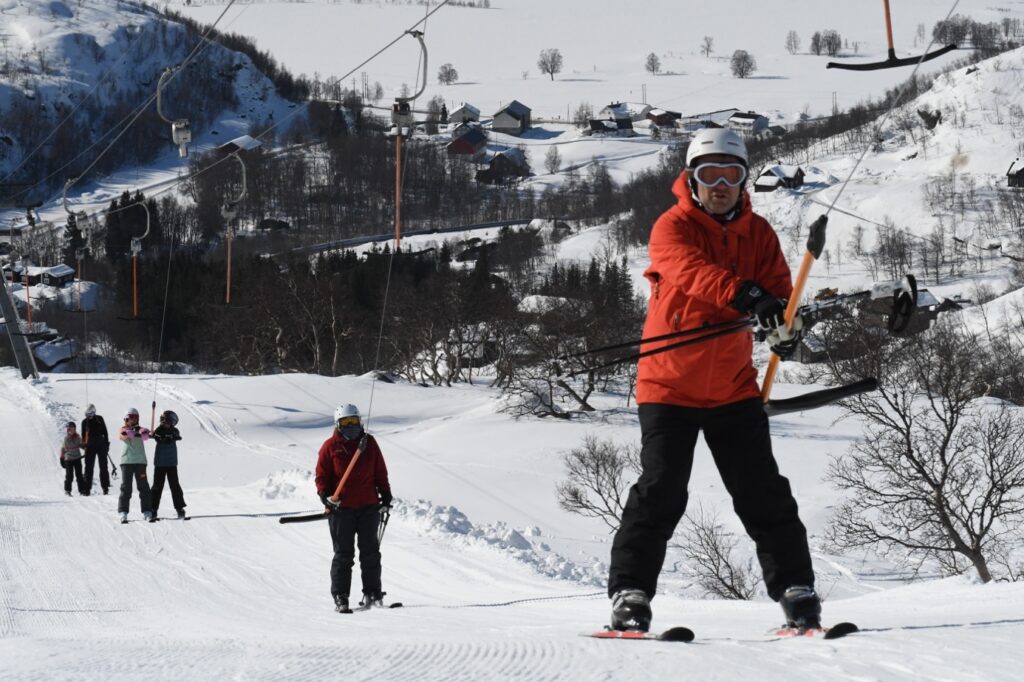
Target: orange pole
(344, 477)
(791, 308)
(227, 291)
(398, 188)
(135, 286)
(888, 28)
(28, 301)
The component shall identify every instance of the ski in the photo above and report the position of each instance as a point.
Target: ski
(676, 634)
(834, 632)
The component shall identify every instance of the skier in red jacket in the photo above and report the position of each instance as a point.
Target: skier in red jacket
(356, 513)
(712, 260)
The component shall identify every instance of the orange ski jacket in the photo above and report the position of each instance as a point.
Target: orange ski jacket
(697, 266)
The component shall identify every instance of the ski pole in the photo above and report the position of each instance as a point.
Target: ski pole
(815, 245)
(385, 516)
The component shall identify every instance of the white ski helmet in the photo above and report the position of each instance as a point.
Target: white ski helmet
(716, 141)
(348, 410)
(90, 410)
(132, 412)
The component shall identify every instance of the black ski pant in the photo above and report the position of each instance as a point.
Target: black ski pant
(170, 474)
(73, 468)
(346, 526)
(90, 463)
(740, 442)
(136, 472)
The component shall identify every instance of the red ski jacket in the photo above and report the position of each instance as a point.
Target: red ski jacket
(697, 265)
(368, 478)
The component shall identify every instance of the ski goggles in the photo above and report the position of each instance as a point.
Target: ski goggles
(348, 421)
(712, 174)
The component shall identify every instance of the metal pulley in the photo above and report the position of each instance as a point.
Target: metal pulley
(136, 247)
(181, 131)
(402, 119)
(228, 212)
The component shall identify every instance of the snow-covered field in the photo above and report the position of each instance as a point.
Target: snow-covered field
(497, 582)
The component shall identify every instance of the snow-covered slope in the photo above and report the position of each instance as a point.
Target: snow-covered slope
(497, 582)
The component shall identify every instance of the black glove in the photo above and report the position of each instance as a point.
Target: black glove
(328, 502)
(754, 300)
(385, 500)
(364, 442)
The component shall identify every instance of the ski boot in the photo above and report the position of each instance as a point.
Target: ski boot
(802, 607)
(149, 516)
(181, 514)
(341, 604)
(124, 517)
(631, 610)
(372, 600)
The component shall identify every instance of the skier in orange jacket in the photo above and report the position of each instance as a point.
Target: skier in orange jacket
(712, 260)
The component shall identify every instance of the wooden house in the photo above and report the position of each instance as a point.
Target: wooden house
(748, 123)
(663, 118)
(58, 275)
(504, 167)
(514, 119)
(779, 175)
(467, 140)
(464, 114)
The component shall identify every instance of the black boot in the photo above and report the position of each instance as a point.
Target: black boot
(631, 610)
(802, 607)
(341, 604)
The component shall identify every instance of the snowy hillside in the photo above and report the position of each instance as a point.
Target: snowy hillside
(497, 582)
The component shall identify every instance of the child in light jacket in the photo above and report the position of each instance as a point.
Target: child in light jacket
(133, 466)
(71, 460)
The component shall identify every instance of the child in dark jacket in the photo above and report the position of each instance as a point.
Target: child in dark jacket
(165, 463)
(71, 460)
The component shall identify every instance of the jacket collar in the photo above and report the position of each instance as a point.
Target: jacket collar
(686, 206)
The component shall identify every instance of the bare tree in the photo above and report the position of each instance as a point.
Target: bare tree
(939, 472)
(742, 64)
(707, 46)
(598, 476)
(831, 42)
(550, 62)
(792, 42)
(552, 160)
(816, 45)
(712, 551)
(653, 64)
(584, 112)
(446, 75)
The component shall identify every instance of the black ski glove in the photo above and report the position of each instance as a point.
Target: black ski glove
(364, 442)
(385, 500)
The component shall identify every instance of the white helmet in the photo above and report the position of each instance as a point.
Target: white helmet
(348, 410)
(90, 410)
(132, 412)
(716, 141)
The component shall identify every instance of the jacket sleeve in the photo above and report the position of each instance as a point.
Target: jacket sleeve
(102, 429)
(680, 260)
(380, 471)
(324, 470)
(773, 271)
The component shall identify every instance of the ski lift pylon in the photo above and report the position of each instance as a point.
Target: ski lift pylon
(893, 61)
(181, 131)
(135, 250)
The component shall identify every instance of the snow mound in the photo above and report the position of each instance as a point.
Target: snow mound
(287, 484)
(523, 545)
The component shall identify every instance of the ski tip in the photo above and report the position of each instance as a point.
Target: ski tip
(840, 630)
(676, 634)
(395, 605)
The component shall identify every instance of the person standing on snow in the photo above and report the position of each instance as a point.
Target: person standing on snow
(133, 466)
(356, 514)
(165, 463)
(712, 260)
(71, 460)
(97, 444)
